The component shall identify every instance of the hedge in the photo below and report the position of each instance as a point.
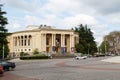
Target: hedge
(33, 57)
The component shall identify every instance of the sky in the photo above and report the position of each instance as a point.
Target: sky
(102, 17)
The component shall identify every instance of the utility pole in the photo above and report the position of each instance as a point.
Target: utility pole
(3, 52)
(88, 49)
(105, 47)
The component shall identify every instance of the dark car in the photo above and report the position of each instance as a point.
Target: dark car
(7, 65)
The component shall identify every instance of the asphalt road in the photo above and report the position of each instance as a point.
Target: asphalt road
(65, 69)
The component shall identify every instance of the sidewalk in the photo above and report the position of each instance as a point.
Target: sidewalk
(16, 60)
(113, 59)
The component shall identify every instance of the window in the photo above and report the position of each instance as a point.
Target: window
(29, 40)
(25, 43)
(15, 41)
(47, 41)
(25, 40)
(25, 49)
(65, 41)
(22, 40)
(29, 49)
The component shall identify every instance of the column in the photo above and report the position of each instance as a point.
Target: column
(20, 41)
(13, 41)
(23, 40)
(52, 40)
(61, 40)
(63, 43)
(16, 41)
(43, 42)
(70, 41)
(27, 41)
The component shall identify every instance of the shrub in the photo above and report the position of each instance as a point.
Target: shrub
(33, 57)
(23, 54)
(36, 51)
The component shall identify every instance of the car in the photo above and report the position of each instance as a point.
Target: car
(7, 65)
(80, 57)
(1, 70)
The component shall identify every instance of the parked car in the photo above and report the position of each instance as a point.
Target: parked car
(1, 70)
(80, 57)
(7, 65)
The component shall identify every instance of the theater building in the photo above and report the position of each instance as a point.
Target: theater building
(44, 38)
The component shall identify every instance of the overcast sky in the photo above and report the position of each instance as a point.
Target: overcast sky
(101, 16)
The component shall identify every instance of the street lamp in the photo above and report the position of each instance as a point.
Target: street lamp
(88, 49)
(3, 51)
(105, 47)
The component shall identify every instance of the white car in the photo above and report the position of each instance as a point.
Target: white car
(80, 57)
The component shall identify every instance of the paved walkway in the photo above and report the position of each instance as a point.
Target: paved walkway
(113, 59)
(9, 76)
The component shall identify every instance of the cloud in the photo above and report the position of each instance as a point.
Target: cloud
(31, 20)
(22, 4)
(114, 18)
(100, 16)
(13, 27)
(104, 7)
(76, 20)
(99, 30)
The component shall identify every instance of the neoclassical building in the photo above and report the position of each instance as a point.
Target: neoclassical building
(44, 38)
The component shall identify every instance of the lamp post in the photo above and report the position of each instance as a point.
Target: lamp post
(3, 51)
(105, 47)
(88, 49)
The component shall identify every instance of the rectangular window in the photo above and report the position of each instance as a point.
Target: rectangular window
(28, 42)
(47, 41)
(22, 42)
(65, 41)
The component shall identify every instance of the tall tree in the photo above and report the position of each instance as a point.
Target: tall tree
(113, 39)
(3, 34)
(86, 45)
(104, 47)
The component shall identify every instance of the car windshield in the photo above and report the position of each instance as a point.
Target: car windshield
(3, 62)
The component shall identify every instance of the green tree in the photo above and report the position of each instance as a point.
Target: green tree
(3, 34)
(103, 47)
(86, 45)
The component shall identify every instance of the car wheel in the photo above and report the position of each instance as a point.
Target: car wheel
(77, 58)
(10, 69)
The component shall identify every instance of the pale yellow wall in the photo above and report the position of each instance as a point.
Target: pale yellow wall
(39, 40)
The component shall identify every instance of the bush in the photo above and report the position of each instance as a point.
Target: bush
(33, 57)
(36, 51)
(23, 54)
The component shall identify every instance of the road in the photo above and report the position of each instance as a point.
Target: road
(65, 69)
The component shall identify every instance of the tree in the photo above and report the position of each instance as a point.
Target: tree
(104, 47)
(3, 34)
(86, 45)
(113, 40)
